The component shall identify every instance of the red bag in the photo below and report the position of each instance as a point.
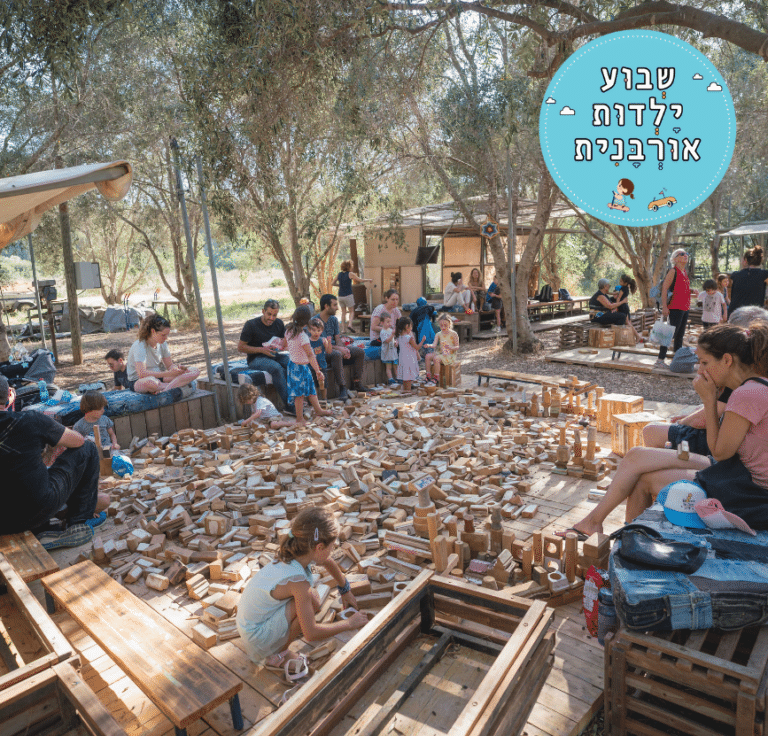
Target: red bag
(593, 581)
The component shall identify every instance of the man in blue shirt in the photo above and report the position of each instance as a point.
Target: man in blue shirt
(341, 355)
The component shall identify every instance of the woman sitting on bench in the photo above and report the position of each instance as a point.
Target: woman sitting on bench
(151, 369)
(603, 311)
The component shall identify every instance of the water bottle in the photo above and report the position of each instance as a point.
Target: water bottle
(607, 621)
(43, 388)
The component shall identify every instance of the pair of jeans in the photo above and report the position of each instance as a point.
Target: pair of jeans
(277, 367)
(72, 480)
(678, 318)
(356, 359)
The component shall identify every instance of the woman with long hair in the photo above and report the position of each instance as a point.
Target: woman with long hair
(748, 285)
(150, 368)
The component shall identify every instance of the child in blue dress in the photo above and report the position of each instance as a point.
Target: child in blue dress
(279, 604)
(300, 383)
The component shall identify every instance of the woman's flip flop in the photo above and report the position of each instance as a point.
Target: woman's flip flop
(581, 536)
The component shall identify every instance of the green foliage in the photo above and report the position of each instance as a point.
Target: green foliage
(277, 283)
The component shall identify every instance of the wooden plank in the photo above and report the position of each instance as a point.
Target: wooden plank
(181, 679)
(181, 412)
(167, 420)
(123, 431)
(364, 684)
(27, 556)
(380, 720)
(302, 711)
(474, 595)
(95, 715)
(195, 413)
(49, 635)
(209, 412)
(152, 418)
(138, 425)
(505, 671)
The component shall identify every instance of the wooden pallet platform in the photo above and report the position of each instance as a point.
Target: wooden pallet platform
(569, 697)
(601, 358)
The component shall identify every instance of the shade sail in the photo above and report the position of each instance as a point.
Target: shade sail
(24, 199)
(759, 227)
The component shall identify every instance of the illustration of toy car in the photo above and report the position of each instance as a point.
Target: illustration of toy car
(663, 200)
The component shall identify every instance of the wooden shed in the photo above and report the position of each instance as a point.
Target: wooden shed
(418, 256)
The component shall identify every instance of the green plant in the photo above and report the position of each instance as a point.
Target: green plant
(276, 283)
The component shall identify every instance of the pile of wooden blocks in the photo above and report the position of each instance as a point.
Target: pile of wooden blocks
(412, 487)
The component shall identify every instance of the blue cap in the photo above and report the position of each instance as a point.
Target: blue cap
(679, 500)
(421, 301)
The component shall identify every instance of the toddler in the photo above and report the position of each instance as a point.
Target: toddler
(300, 384)
(279, 604)
(388, 347)
(714, 309)
(408, 365)
(261, 408)
(446, 346)
(92, 405)
(321, 346)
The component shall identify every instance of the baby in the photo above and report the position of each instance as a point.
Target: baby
(261, 408)
(92, 405)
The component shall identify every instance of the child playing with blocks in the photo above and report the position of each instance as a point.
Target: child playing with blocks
(279, 604)
(261, 408)
(388, 347)
(408, 365)
(92, 404)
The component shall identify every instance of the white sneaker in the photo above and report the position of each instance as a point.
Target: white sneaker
(660, 365)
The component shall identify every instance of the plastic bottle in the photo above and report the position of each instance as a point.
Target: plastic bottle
(43, 387)
(607, 621)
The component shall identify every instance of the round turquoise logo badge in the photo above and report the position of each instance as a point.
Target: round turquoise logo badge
(637, 128)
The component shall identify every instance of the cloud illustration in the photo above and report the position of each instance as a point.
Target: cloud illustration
(697, 76)
(714, 87)
(550, 100)
(567, 111)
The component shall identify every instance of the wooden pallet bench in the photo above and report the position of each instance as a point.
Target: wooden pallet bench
(193, 412)
(708, 682)
(180, 678)
(429, 606)
(29, 558)
(26, 628)
(55, 702)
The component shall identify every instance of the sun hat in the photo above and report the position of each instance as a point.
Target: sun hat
(679, 501)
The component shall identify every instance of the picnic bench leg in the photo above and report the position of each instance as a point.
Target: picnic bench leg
(237, 715)
(50, 604)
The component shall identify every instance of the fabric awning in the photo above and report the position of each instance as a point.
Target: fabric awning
(759, 227)
(24, 199)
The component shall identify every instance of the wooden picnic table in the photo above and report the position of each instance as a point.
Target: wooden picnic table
(184, 681)
(560, 305)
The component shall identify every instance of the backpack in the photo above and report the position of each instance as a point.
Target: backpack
(684, 361)
(655, 292)
(545, 295)
(564, 296)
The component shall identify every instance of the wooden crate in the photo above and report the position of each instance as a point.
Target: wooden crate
(575, 335)
(195, 411)
(29, 641)
(450, 375)
(627, 430)
(430, 605)
(601, 337)
(610, 404)
(623, 335)
(707, 683)
(55, 702)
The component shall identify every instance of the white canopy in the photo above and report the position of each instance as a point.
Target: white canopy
(24, 199)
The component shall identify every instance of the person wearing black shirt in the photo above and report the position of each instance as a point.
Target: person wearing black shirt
(116, 362)
(748, 285)
(258, 331)
(33, 494)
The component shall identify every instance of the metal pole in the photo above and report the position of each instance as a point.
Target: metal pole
(511, 243)
(37, 291)
(191, 256)
(215, 286)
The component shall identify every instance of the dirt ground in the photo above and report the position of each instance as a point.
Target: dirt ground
(187, 348)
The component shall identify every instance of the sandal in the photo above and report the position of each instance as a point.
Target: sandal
(288, 694)
(582, 537)
(277, 665)
(297, 669)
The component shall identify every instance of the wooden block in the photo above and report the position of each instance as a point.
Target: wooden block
(529, 511)
(204, 636)
(157, 582)
(598, 545)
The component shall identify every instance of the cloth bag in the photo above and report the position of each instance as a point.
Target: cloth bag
(662, 333)
(684, 361)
